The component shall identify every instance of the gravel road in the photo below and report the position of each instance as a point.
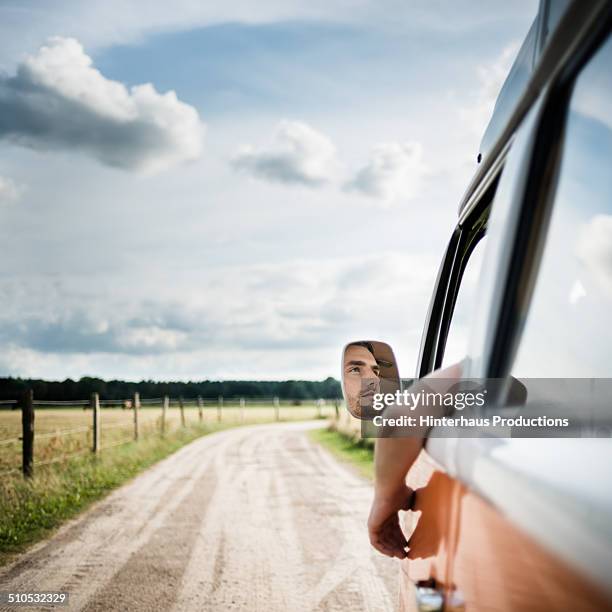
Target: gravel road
(255, 518)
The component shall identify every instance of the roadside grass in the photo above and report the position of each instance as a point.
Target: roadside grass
(358, 452)
(63, 431)
(31, 509)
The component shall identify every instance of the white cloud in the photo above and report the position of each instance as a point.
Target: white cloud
(58, 100)
(9, 190)
(288, 321)
(100, 23)
(395, 171)
(594, 250)
(251, 313)
(594, 101)
(491, 76)
(297, 153)
(577, 292)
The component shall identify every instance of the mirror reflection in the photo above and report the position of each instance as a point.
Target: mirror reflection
(369, 367)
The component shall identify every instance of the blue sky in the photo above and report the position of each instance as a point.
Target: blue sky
(296, 193)
(229, 68)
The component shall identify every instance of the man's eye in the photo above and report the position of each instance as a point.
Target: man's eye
(354, 370)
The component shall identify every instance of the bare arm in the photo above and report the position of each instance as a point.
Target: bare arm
(393, 459)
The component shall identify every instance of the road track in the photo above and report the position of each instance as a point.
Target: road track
(256, 518)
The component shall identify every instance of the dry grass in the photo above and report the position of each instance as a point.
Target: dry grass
(64, 485)
(32, 508)
(68, 431)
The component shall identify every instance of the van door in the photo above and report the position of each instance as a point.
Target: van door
(526, 521)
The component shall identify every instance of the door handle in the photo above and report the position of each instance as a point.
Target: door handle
(430, 598)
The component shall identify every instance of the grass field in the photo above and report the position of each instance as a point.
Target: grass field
(30, 509)
(68, 431)
(359, 453)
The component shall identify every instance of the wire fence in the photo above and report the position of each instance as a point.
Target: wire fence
(49, 432)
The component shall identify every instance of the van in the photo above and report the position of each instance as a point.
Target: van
(503, 523)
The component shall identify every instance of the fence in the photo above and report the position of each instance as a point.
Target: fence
(346, 424)
(126, 421)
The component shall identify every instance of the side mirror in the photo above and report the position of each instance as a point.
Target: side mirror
(369, 367)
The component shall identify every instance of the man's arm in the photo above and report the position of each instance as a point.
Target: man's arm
(393, 458)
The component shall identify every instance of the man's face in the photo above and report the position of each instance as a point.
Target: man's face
(361, 378)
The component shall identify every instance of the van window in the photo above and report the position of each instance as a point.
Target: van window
(554, 11)
(465, 305)
(568, 327)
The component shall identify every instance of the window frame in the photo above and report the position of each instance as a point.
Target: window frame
(539, 167)
(468, 232)
(537, 204)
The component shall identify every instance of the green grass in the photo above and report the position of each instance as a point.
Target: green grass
(359, 453)
(31, 509)
(51, 441)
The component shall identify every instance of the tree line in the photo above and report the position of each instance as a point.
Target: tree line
(13, 388)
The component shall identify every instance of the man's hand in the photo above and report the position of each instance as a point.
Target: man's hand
(384, 528)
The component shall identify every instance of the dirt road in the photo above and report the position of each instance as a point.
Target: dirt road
(256, 518)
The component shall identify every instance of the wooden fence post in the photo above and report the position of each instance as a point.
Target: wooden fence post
(94, 402)
(276, 409)
(182, 407)
(27, 429)
(242, 405)
(164, 413)
(200, 406)
(337, 407)
(136, 408)
(319, 407)
(219, 408)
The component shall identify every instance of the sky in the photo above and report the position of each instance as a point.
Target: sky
(194, 191)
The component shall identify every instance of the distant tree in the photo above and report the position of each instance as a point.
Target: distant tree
(13, 388)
